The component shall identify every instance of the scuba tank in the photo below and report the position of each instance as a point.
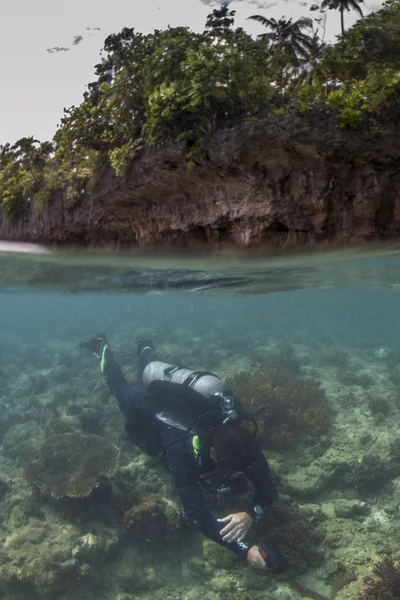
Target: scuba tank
(204, 383)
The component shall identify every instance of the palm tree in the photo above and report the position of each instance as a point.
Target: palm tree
(342, 5)
(308, 70)
(288, 35)
(315, 52)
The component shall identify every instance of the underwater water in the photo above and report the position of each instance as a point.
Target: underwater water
(313, 338)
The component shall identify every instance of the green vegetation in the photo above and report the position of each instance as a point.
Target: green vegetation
(180, 86)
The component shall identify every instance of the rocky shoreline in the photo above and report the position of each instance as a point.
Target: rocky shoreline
(279, 183)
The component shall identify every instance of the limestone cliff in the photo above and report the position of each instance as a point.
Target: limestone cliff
(292, 181)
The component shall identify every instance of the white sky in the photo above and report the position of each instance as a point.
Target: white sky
(37, 85)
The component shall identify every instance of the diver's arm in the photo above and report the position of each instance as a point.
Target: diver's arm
(264, 486)
(191, 496)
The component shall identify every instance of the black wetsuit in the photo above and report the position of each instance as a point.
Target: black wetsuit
(153, 437)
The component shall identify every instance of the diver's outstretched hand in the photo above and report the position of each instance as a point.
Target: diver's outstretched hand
(237, 527)
(272, 559)
(255, 559)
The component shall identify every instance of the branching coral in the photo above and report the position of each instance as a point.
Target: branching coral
(69, 464)
(387, 584)
(294, 404)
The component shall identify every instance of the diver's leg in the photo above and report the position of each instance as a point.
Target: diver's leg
(109, 367)
(146, 353)
(134, 402)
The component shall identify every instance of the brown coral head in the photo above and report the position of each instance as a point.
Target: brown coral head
(70, 464)
(147, 521)
(295, 406)
(387, 584)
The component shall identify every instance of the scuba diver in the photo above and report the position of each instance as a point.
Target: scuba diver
(191, 421)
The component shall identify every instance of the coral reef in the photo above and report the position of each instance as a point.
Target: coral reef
(365, 475)
(69, 464)
(294, 532)
(387, 584)
(333, 515)
(394, 456)
(146, 521)
(347, 375)
(294, 405)
(18, 436)
(349, 509)
(378, 405)
(284, 357)
(216, 557)
(43, 553)
(333, 357)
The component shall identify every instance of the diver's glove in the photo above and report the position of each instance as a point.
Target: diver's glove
(274, 560)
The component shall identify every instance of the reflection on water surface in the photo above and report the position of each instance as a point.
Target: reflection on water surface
(75, 271)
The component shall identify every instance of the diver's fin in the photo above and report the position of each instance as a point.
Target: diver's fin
(146, 353)
(96, 345)
(145, 347)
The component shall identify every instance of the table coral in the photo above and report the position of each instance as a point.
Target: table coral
(293, 404)
(69, 464)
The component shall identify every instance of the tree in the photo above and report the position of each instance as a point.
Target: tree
(287, 36)
(373, 43)
(220, 78)
(307, 83)
(341, 6)
(220, 22)
(175, 84)
(310, 69)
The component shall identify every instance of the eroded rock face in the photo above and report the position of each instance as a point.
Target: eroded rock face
(287, 182)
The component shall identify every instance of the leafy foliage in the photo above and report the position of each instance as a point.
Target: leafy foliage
(179, 86)
(373, 43)
(287, 36)
(21, 171)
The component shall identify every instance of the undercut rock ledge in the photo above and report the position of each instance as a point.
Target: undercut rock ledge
(289, 182)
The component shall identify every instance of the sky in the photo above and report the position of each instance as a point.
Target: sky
(37, 84)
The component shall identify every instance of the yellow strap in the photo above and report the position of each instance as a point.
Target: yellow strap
(103, 358)
(196, 444)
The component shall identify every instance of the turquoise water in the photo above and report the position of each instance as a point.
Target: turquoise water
(318, 336)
